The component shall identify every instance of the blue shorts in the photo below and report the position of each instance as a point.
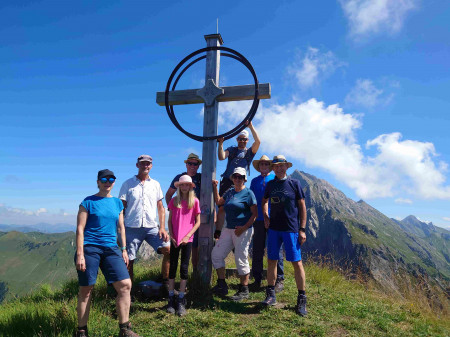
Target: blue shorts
(110, 261)
(135, 237)
(291, 245)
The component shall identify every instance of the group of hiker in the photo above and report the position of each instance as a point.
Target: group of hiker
(271, 212)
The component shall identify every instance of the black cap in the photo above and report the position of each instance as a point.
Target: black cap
(105, 173)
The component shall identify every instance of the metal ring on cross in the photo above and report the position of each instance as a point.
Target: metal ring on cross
(228, 52)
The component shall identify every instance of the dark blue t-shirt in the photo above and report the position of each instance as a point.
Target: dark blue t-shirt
(283, 197)
(237, 206)
(101, 224)
(197, 180)
(258, 186)
(238, 158)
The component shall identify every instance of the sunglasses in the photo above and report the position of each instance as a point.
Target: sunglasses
(191, 163)
(242, 139)
(107, 180)
(238, 176)
(279, 161)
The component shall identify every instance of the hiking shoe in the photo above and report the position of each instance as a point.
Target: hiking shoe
(279, 286)
(241, 294)
(270, 297)
(81, 333)
(181, 306)
(127, 332)
(300, 308)
(255, 286)
(221, 289)
(171, 305)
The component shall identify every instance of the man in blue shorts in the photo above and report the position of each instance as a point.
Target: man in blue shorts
(142, 198)
(192, 162)
(258, 186)
(286, 225)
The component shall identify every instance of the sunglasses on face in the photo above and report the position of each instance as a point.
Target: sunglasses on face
(191, 163)
(107, 180)
(242, 139)
(279, 161)
(238, 176)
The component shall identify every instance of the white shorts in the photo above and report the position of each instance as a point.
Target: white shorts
(227, 241)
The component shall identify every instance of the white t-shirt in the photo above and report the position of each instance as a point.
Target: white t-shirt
(142, 200)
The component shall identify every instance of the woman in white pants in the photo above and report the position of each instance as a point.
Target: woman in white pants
(240, 212)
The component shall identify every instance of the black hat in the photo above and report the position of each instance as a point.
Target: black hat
(105, 173)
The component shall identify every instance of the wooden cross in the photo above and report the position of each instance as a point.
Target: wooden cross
(211, 94)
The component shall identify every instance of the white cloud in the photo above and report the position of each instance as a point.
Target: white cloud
(314, 66)
(365, 94)
(375, 16)
(325, 137)
(445, 218)
(21, 216)
(403, 201)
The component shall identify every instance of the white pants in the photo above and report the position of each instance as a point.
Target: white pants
(227, 241)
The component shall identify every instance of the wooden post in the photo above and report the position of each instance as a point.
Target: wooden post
(209, 156)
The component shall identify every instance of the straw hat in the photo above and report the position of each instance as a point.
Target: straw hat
(280, 159)
(183, 180)
(193, 156)
(263, 158)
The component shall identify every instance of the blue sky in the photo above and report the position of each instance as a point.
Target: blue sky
(359, 96)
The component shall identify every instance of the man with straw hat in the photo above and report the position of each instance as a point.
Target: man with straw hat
(286, 225)
(193, 163)
(258, 186)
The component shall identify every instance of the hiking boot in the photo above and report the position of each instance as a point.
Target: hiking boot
(241, 294)
(255, 286)
(171, 305)
(81, 333)
(279, 285)
(221, 289)
(127, 332)
(300, 308)
(181, 306)
(270, 297)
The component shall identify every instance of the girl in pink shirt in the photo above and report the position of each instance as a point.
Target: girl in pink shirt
(184, 220)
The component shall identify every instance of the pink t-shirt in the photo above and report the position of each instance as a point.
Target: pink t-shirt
(183, 219)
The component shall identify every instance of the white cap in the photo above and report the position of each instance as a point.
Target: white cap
(241, 171)
(243, 133)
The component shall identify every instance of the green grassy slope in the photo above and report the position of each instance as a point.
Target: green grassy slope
(32, 259)
(337, 307)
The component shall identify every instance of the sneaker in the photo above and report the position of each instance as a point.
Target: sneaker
(181, 306)
(81, 333)
(171, 305)
(241, 294)
(127, 332)
(300, 309)
(270, 298)
(221, 289)
(279, 286)
(255, 286)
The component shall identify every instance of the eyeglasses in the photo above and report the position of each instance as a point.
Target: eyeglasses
(107, 180)
(242, 139)
(191, 163)
(238, 176)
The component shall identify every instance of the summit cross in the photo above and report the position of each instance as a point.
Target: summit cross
(210, 95)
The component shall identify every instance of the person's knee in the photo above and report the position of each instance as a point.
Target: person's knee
(85, 291)
(165, 251)
(123, 286)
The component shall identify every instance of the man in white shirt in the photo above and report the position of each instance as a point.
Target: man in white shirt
(142, 198)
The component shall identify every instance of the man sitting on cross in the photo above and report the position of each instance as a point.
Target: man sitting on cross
(238, 156)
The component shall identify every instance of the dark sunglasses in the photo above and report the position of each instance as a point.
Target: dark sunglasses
(238, 176)
(279, 161)
(191, 163)
(242, 139)
(107, 180)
